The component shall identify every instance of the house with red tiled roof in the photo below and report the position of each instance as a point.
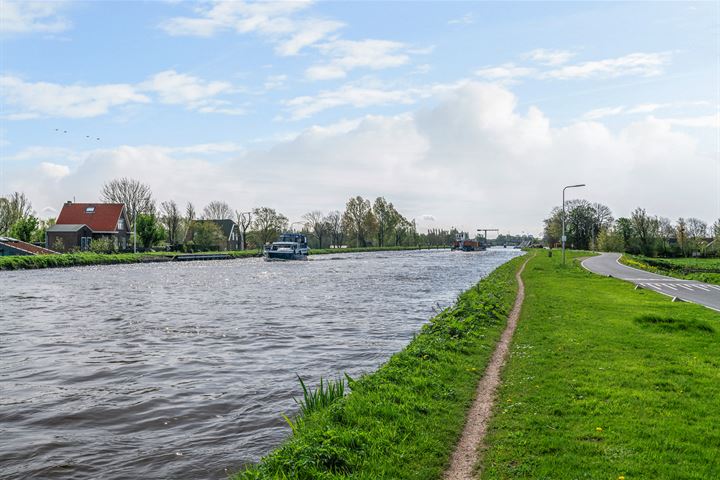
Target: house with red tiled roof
(80, 223)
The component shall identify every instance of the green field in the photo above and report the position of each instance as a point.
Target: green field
(402, 422)
(606, 382)
(700, 269)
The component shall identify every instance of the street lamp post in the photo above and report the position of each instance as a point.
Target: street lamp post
(563, 218)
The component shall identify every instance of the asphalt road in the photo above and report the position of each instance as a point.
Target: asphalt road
(688, 290)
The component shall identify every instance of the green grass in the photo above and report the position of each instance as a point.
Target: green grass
(403, 421)
(606, 381)
(701, 269)
(321, 397)
(22, 262)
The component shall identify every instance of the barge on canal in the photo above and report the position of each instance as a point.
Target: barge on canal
(290, 246)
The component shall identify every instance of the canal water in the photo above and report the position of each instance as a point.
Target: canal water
(182, 370)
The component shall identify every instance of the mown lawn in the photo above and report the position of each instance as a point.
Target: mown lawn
(606, 382)
(700, 269)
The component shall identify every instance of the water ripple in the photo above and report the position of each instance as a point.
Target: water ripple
(182, 370)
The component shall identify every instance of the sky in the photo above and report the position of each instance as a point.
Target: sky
(463, 114)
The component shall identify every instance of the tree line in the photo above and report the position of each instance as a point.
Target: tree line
(363, 223)
(591, 226)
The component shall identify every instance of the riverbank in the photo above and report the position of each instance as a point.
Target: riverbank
(403, 420)
(26, 262)
(605, 381)
(701, 269)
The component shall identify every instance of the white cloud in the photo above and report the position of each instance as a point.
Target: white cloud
(639, 64)
(307, 33)
(325, 72)
(455, 159)
(19, 17)
(704, 121)
(275, 21)
(54, 170)
(645, 108)
(550, 57)
(506, 71)
(175, 88)
(346, 55)
(347, 95)
(603, 112)
(467, 19)
(273, 82)
(44, 99)
(28, 100)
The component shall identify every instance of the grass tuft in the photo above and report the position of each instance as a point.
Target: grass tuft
(669, 324)
(320, 397)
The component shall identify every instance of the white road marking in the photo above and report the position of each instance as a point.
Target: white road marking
(702, 287)
(685, 286)
(716, 287)
(669, 285)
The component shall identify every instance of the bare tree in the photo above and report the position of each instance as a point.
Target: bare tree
(136, 196)
(217, 210)
(171, 219)
(697, 229)
(268, 224)
(244, 220)
(189, 212)
(188, 221)
(666, 231)
(317, 224)
(13, 208)
(716, 229)
(335, 227)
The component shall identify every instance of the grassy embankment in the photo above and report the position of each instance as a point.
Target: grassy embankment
(19, 262)
(606, 382)
(701, 269)
(402, 421)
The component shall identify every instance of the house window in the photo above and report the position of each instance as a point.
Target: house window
(121, 224)
(89, 209)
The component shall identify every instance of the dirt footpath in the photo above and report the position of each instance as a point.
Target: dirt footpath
(466, 453)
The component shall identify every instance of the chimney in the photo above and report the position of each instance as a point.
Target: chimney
(68, 202)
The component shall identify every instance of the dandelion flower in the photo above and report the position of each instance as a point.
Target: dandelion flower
(598, 429)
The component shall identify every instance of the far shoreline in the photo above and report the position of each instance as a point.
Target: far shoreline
(63, 260)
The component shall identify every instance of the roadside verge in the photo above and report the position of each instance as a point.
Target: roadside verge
(605, 381)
